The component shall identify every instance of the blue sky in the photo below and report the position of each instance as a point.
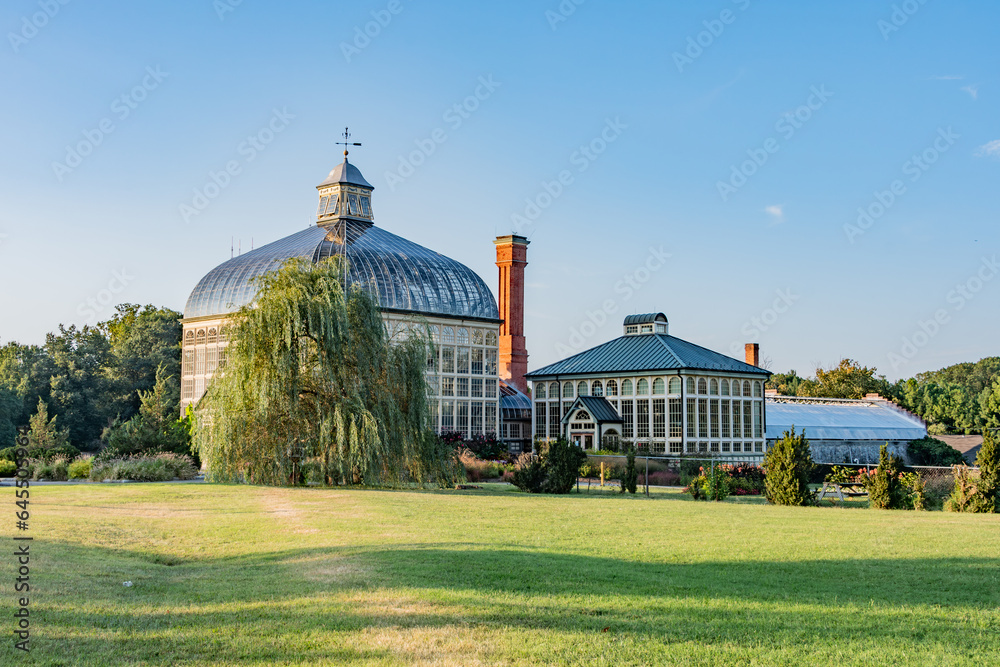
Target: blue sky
(716, 155)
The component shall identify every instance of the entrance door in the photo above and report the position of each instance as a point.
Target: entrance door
(588, 441)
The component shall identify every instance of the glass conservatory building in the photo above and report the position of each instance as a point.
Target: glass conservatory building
(655, 390)
(414, 286)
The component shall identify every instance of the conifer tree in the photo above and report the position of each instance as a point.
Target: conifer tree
(885, 491)
(988, 462)
(155, 428)
(44, 432)
(631, 476)
(788, 465)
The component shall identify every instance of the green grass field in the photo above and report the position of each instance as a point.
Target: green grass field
(227, 575)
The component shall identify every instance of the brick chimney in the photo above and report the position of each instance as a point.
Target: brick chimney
(512, 257)
(753, 354)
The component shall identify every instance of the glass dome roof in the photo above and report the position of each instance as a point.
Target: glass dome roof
(400, 274)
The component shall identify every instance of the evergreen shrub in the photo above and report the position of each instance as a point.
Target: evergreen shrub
(885, 489)
(788, 466)
(555, 470)
(630, 478)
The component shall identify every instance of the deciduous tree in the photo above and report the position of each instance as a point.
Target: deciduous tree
(311, 372)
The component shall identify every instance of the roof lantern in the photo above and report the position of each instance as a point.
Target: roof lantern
(345, 194)
(647, 323)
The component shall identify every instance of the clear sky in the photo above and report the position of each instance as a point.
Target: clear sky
(715, 154)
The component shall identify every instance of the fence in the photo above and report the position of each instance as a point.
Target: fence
(642, 461)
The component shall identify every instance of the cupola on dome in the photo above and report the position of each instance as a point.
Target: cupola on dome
(399, 274)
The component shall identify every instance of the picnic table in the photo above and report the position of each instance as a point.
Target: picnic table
(842, 490)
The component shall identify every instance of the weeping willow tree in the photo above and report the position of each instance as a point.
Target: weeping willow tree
(311, 373)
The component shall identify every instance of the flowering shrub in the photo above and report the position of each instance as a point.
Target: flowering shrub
(696, 488)
(741, 479)
(845, 475)
(745, 479)
(906, 488)
(712, 485)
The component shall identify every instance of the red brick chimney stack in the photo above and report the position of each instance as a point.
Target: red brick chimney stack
(512, 257)
(753, 354)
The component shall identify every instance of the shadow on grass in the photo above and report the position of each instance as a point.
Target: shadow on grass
(255, 609)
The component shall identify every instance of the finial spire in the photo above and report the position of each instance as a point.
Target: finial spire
(346, 142)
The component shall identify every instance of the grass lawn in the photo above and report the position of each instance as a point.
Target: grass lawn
(227, 575)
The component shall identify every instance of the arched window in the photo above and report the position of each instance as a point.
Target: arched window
(756, 389)
(581, 389)
(746, 387)
(477, 336)
(675, 386)
(642, 387)
(725, 387)
(540, 390)
(597, 389)
(690, 385)
(702, 386)
(567, 390)
(201, 336)
(189, 337)
(582, 415)
(435, 333)
(659, 387)
(626, 387)
(612, 388)
(448, 336)
(463, 336)
(713, 387)
(491, 338)
(553, 390)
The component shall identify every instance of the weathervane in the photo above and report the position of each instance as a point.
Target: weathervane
(343, 243)
(346, 142)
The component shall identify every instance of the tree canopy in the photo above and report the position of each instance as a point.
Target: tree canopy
(964, 398)
(311, 373)
(155, 428)
(89, 377)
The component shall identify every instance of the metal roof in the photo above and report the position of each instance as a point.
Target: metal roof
(400, 274)
(345, 172)
(646, 352)
(514, 405)
(598, 407)
(645, 318)
(842, 420)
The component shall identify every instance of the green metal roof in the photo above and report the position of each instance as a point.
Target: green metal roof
(598, 407)
(647, 352)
